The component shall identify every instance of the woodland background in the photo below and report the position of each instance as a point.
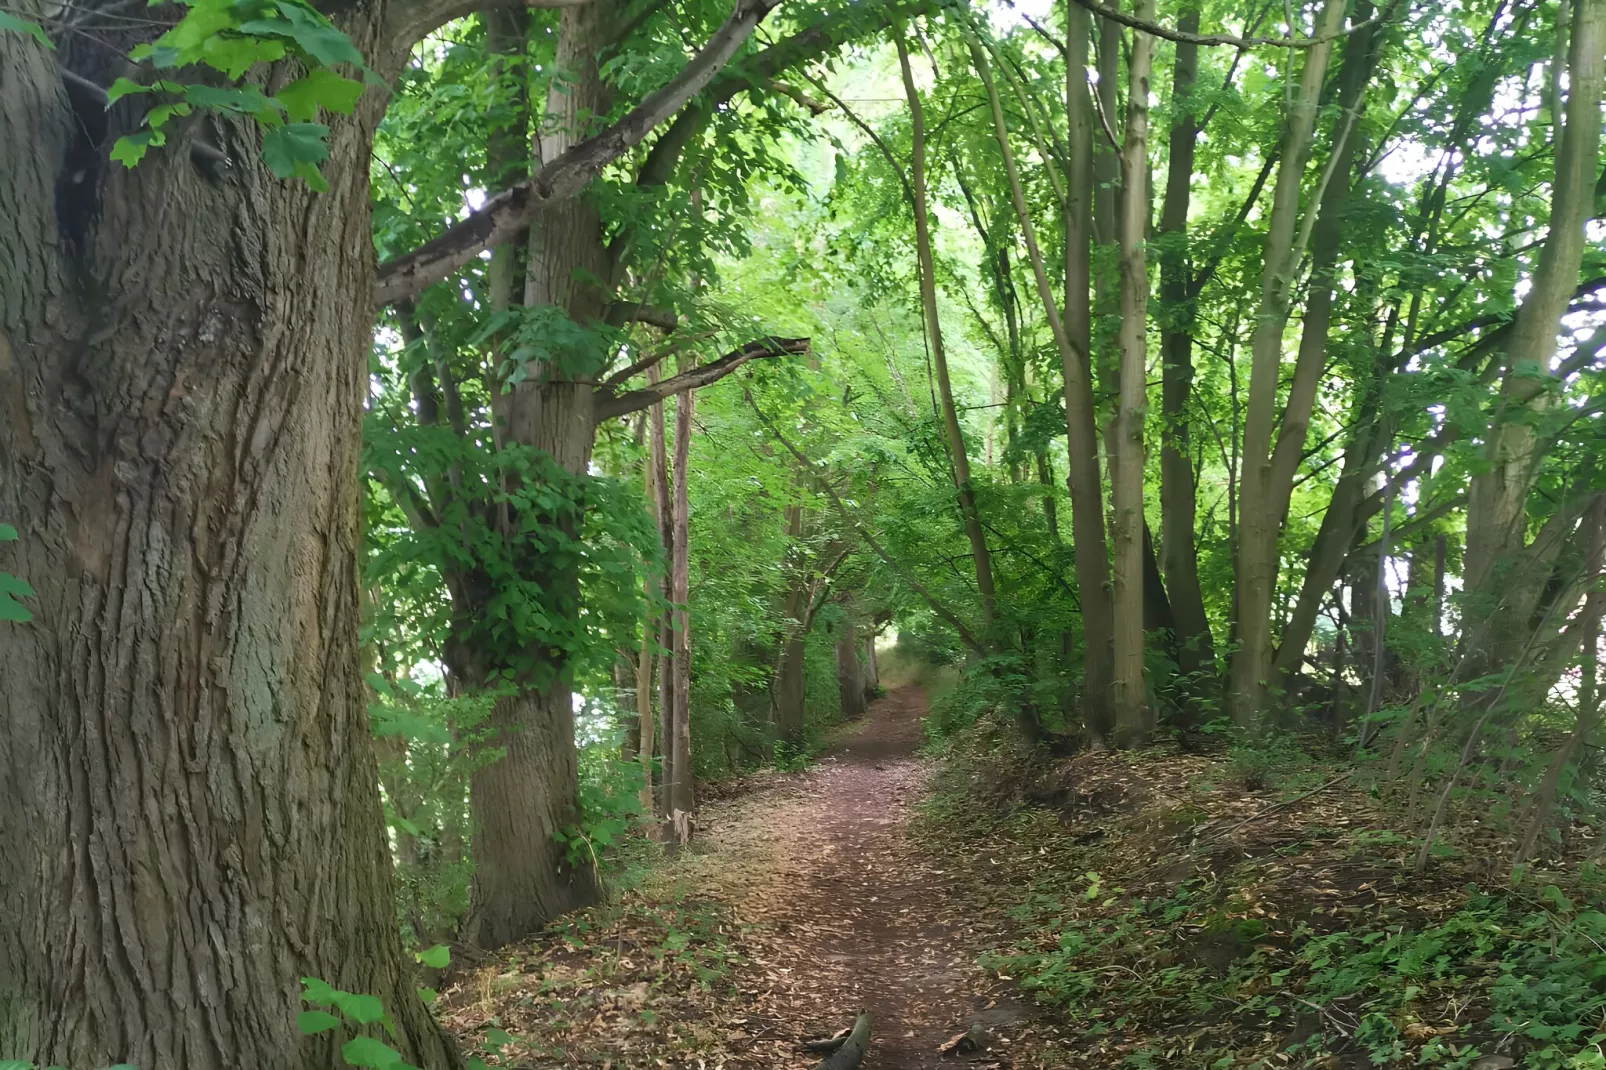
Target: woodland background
(1184, 377)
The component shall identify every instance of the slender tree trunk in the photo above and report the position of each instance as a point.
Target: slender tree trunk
(1134, 717)
(1259, 520)
(679, 740)
(1072, 337)
(1106, 231)
(954, 436)
(1504, 582)
(649, 641)
(795, 616)
(1543, 803)
(189, 807)
(1178, 504)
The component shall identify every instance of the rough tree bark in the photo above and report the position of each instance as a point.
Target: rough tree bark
(189, 813)
(1133, 715)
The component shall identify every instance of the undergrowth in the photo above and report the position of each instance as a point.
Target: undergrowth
(1194, 911)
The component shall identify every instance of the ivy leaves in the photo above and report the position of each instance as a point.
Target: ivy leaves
(230, 37)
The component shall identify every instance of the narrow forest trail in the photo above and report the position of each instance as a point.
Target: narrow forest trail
(844, 911)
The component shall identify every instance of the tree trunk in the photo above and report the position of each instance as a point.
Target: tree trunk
(849, 672)
(678, 738)
(954, 436)
(1134, 717)
(648, 655)
(1178, 504)
(789, 693)
(1071, 339)
(523, 877)
(1504, 582)
(1259, 520)
(1543, 803)
(191, 818)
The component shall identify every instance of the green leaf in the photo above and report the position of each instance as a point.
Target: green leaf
(236, 55)
(437, 957)
(428, 995)
(321, 87)
(242, 100)
(319, 992)
(130, 149)
(18, 588)
(124, 87)
(293, 147)
(15, 1064)
(366, 1051)
(31, 29)
(312, 1022)
(359, 1008)
(311, 32)
(157, 117)
(7, 534)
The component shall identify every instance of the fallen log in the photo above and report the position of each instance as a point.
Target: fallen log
(851, 1053)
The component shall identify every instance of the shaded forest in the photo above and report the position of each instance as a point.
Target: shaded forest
(464, 462)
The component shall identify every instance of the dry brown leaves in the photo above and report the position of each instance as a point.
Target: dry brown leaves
(803, 901)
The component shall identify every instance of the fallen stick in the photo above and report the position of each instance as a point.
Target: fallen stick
(851, 1053)
(828, 1044)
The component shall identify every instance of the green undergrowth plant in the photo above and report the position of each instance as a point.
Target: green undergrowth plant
(1313, 948)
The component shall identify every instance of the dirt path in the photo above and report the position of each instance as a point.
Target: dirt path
(845, 912)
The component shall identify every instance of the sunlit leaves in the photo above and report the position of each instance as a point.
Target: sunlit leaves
(231, 37)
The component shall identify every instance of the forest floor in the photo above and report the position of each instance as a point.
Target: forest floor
(1241, 908)
(803, 900)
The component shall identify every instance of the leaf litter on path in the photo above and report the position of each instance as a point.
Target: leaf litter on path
(804, 901)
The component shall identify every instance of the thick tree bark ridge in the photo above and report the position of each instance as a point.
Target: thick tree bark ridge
(190, 818)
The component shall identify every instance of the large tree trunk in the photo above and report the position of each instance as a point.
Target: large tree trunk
(849, 671)
(523, 877)
(190, 818)
(958, 456)
(1134, 717)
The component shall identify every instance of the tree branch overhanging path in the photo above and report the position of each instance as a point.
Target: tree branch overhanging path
(504, 215)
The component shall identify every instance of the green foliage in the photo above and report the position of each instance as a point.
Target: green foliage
(335, 1009)
(609, 797)
(10, 23)
(12, 588)
(230, 37)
